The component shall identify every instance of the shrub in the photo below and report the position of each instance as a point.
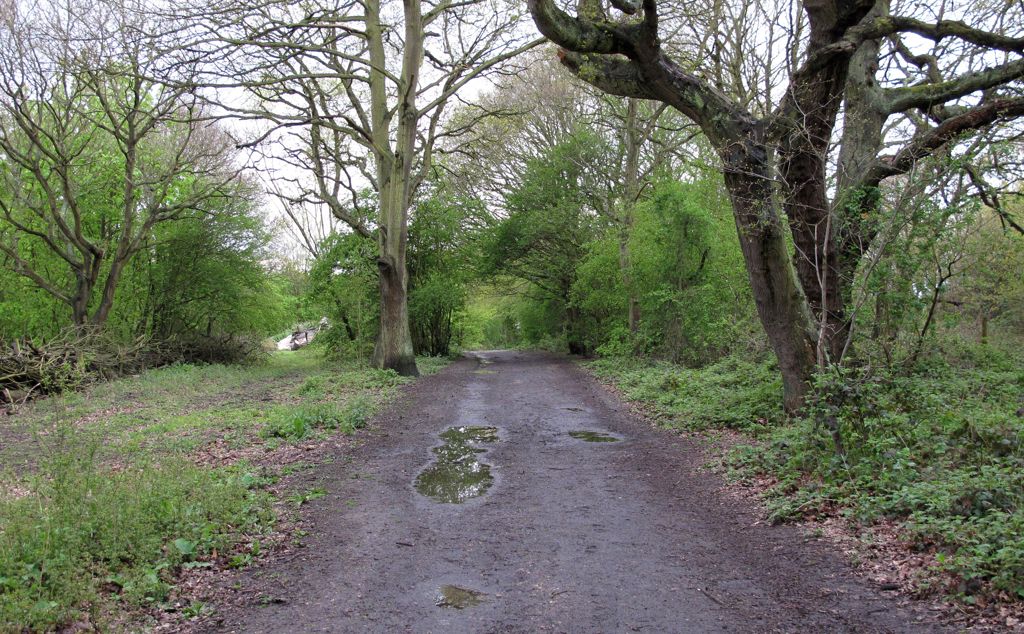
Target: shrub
(733, 393)
(940, 449)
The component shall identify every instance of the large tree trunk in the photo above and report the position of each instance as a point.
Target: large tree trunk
(394, 176)
(856, 203)
(393, 349)
(780, 301)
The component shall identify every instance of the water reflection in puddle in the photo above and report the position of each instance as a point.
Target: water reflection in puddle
(457, 475)
(592, 436)
(458, 598)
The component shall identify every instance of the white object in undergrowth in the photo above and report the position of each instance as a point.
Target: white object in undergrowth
(302, 337)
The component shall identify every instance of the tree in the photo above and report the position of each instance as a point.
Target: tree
(206, 275)
(98, 148)
(777, 160)
(551, 217)
(359, 92)
(541, 109)
(444, 240)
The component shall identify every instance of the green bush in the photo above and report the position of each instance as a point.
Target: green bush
(940, 449)
(733, 393)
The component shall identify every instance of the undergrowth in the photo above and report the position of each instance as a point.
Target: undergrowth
(303, 421)
(733, 393)
(86, 534)
(100, 514)
(939, 449)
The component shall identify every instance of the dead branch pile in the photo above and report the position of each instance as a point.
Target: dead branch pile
(70, 360)
(216, 348)
(79, 356)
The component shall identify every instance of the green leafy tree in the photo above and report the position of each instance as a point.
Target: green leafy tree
(103, 140)
(342, 286)
(444, 247)
(550, 220)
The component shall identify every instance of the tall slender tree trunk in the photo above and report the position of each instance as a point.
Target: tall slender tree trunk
(633, 304)
(102, 312)
(631, 192)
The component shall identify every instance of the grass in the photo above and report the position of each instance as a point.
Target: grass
(938, 450)
(85, 536)
(733, 393)
(109, 494)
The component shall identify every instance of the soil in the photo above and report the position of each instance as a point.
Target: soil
(570, 536)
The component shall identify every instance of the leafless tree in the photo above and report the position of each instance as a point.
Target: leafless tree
(358, 92)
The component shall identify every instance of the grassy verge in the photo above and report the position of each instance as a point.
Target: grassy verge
(109, 495)
(937, 454)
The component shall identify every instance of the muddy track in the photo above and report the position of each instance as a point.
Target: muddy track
(571, 536)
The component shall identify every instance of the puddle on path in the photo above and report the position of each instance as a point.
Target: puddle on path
(592, 436)
(458, 598)
(457, 475)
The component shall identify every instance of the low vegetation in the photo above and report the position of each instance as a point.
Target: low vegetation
(109, 494)
(936, 449)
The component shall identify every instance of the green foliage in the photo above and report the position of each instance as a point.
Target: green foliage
(733, 393)
(940, 449)
(444, 247)
(989, 286)
(83, 530)
(442, 251)
(304, 498)
(303, 421)
(686, 272)
(198, 290)
(542, 239)
(490, 321)
(343, 286)
(204, 275)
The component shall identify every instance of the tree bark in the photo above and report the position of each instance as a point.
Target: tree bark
(631, 191)
(864, 117)
(780, 301)
(394, 349)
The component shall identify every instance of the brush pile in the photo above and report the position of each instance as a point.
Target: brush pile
(79, 356)
(70, 360)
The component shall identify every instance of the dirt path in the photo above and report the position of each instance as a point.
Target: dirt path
(573, 536)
